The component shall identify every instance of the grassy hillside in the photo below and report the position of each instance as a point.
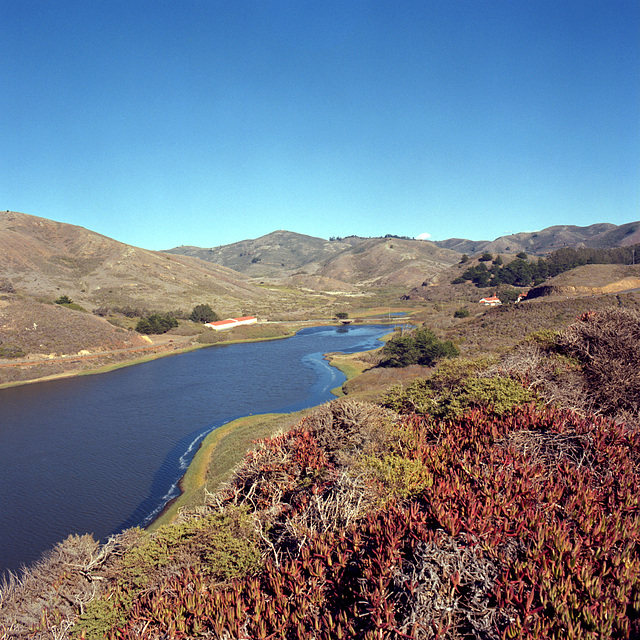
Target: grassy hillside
(44, 259)
(492, 497)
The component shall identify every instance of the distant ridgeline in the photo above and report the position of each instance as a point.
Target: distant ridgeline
(520, 272)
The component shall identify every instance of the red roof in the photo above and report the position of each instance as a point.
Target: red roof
(245, 318)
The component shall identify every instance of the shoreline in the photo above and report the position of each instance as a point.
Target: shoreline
(295, 327)
(129, 363)
(239, 434)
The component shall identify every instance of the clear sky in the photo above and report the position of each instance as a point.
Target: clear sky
(204, 122)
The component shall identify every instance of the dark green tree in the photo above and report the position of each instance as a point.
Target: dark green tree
(203, 313)
(485, 257)
(156, 324)
(64, 299)
(342, 315)
(420, 346)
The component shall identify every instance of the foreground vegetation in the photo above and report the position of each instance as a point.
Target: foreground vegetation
(492, 497)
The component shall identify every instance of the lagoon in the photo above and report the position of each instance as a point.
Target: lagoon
(97, 454)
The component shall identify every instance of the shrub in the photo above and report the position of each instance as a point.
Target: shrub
(421, 346)
(203, 313)
(218, 547)
(607, 343)
(156, 324)
(461, 313)
(454, 390)
(11, 351)
(64, 299)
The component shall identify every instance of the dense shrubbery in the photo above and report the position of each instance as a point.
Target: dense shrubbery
(156, 324)
(420, 346)
(525, 525)
(11, 351)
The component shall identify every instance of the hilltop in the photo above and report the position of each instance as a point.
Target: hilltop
(343, 263)
(43, 258)
(539, 243)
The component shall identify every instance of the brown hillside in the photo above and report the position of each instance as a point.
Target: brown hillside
(45, 258)
(591, 279)
(389, 262)
(277, 254)
(539, 243)
(351, 261)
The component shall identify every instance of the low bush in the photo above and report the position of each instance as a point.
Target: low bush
(219, 547)
(431, 397)
(156, 324)
(420, 346)
(607, 344)
(11, 351)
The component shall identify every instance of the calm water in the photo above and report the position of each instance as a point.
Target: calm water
(100, 453)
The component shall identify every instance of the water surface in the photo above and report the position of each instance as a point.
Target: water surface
(96, 454)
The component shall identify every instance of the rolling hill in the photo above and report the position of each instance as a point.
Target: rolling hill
(539, 243)
(44, 259)
(306, 261)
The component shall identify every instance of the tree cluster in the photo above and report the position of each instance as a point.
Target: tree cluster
(524, 273)
(420, 346)
(156, 323)
(519, 272)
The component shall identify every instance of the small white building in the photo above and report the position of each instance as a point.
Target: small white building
(491, 301)
(221, 325)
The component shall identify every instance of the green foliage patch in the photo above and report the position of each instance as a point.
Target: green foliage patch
(453, 391)
(221, 546)
(156, 324)
(420, 346)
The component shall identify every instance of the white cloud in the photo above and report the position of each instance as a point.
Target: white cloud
(423, 236)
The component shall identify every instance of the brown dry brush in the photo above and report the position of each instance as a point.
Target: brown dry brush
(590, 366)
(44, 599)
(607, 343)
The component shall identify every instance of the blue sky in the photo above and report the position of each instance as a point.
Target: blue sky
(205, 122)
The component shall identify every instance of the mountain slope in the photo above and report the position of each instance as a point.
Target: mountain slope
(389, 262)
(539, 243)
(280, 253)
(350, 261)
(45, 258)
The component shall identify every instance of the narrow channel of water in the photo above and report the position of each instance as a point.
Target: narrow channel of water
(96, 454)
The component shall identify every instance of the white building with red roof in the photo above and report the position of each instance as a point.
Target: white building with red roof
(229, 323)
(491, 301)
